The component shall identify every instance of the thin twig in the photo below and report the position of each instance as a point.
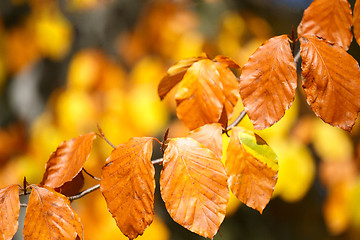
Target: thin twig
(297, 57)
(92, 176)
(237, 120)
(83, 193)
(156, 161)
(23, 205)
(101, 134)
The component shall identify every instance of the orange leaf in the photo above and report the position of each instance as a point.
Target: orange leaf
(268, 82)
(9, 211)
(330, 20)
(356, 21)
(209, 135)
(252, 168)
(67, 161)
(175, 75)
(128, 185)
(226, 61)
(331, 80)
(50, 216)
(73, 187)
(193, 186)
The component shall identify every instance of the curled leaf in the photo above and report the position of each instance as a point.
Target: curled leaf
(331, 80)
(330, 20)
(9, 211)
(193, 185)
(128, 185)
(252, 168)
(67, 161)
(50, 216)
(268, 82)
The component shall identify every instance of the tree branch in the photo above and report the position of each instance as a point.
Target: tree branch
(297, 57)
(83, 193)
(92, 176)
(237, 120)
(23, 205)
(156, 161)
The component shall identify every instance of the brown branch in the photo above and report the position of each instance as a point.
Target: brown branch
(101, 134)
(297, 57)
(156, 161)
(237, 120)
(83, 193)
(92, 176)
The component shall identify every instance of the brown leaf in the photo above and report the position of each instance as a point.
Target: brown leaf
(331, 80)
(193, 186)
(209, 135)
(356, 21)
(128, 185)
(50, 216)
(73, 187)
(226, 61)
(330, 20)
(175, 74)
(9, 211)
(67, 161)
(268, 82)
(252, 168)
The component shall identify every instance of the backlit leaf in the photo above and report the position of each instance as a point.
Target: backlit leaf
(268, 82)
(193, 185)
(67, 161)
(226, 61)
(252, 168)
(209, 135)
(128, 185)
(50, 216)
(175, 74)
(356, 21)
(9, 211)
(331, 80)
(330, 20)
(73, 187)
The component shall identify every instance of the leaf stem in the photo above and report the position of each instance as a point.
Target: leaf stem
(156, 161)
(92, 176)
(237, 120)
(83, 193)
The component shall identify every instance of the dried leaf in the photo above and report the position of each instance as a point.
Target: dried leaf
(226, 61)
(67, 161)
(73, 187)
(331, 80)
(128, 185)
(252, 168)
(356, 21)
(330, 20)
(50, 216)
(9, 211)
(268, 82)
(209, 135)
(175, 74)
(199, 97)
(193, 186)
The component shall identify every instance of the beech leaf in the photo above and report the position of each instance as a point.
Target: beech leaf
(331, 80)
(252, 168)
(356, 21)
(73, 187)
(193, 185)
(268, 82)
(209, 135)
(9, 211)
(50, 216)
(68, 160)
(226, 61)
(330, 20)
(128, 185)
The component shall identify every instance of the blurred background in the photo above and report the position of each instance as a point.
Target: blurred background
(67, 65)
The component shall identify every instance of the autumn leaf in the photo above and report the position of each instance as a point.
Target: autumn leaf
(193, 185)
(50, 216)
(128, 185)
(73, 187)
(175, 74)
(331, 80)
(226, 61)
(209, 135)
(67, 161)
(356, 21)
(268, 82)
(9, 211)
(252, 168)
(330, 20)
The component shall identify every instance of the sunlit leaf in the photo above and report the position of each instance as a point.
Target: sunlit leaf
(356, 21)
(128, 185)
(9, 211)
(67, 161)
(252, 168)
(226, 61)
(330, 20)
(50, 216)
(268, 82)
(331, 80)
(193, 185)
(209, 135)
(175, 74)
